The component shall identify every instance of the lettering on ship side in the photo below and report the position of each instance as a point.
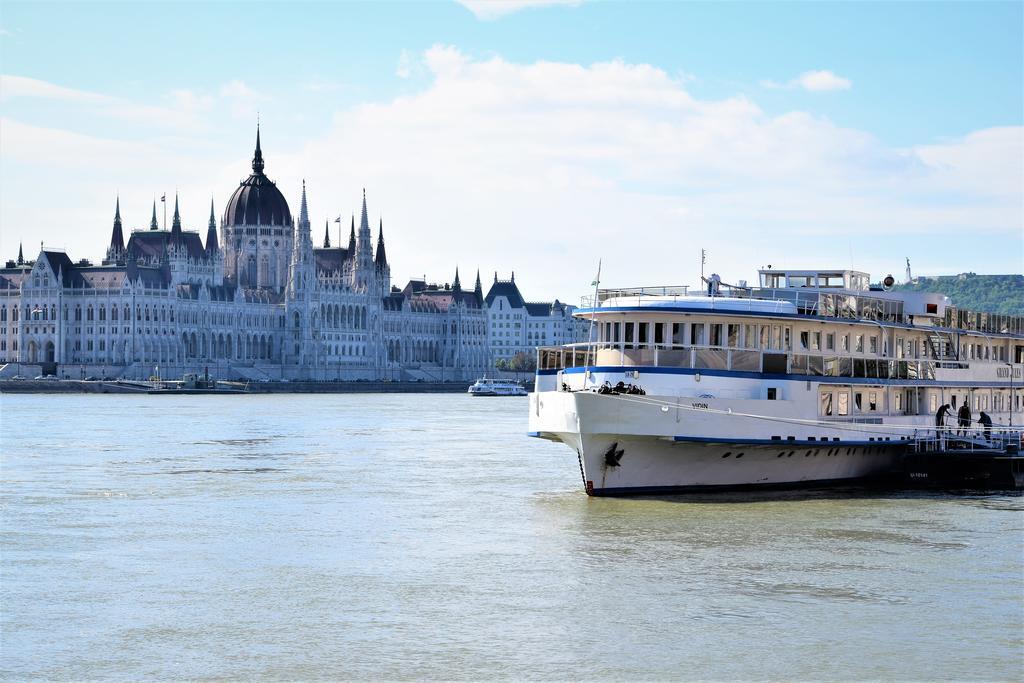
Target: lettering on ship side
(700, 406)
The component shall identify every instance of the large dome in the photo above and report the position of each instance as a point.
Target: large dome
(257, 200)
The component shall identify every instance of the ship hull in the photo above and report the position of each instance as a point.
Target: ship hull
(633, 446)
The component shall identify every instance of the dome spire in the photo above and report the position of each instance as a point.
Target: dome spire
(153, 225)
(257, 159)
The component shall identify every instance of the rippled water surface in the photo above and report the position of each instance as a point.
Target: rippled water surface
(420, 536)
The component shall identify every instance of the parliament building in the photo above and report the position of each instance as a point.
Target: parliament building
(256, 300)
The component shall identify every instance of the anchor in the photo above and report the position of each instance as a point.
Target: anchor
(613, 455)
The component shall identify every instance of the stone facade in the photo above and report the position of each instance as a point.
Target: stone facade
(257, 301)
(516, 325)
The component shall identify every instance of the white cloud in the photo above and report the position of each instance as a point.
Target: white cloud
(487, 10)
(812, 81)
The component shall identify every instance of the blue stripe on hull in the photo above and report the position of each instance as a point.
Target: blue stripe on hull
(730, 488)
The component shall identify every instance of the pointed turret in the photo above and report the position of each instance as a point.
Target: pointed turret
(153, 225)
(116, 247)
(327, 235)
(352, 239)
(21, 259)
(457, 285)
(211, 232)
(303, 210)
(176, 221)
(478, 288)
(381, 259)
(257, 158)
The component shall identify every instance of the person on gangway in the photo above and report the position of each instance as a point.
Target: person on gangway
(963, 419)
(986, 425)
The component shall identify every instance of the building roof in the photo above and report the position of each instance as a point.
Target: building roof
(257, 201)
(507, 289)
(152, 244)
(330, 259)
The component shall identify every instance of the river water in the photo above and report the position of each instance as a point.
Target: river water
(425, 536)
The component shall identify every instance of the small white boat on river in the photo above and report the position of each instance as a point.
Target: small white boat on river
(496, 387)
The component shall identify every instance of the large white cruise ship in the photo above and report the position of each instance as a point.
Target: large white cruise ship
(812, 376)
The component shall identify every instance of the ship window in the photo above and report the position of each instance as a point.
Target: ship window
(787, 333)
(643, 336)
(734, 336)
(715, 338)
(873, 344)
(804, 337)
(816, 341)
(697, 334)
(677, 334)
(830, 342)
(750, 336)
(659, 333)
(843, 403)
(772, 393)
(898, 397)
(859, 345)
(826, 403)
(872, 400)
(858, 401)
(933, 403)
(764, 336)
(616, 332)
(628, 332)
(776, 341)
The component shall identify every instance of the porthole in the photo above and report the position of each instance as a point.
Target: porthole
(739, 455)
(727, 454)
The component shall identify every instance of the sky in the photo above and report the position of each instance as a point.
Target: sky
(534, 136)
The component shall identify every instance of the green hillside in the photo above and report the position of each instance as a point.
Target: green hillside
(986, 293)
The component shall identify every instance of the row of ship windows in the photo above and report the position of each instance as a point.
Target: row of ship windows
(779, 337)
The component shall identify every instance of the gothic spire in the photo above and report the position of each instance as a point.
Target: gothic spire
(153, 225)
(257, 159)
(381, 259)
(303, 211)
(117, 236)
(176, 221)
(478, 288)
(21, 259)
(327, 234)
(364, 222)
(211, 232)
(352, 238)
(457, 286)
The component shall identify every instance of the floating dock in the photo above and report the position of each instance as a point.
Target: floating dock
(965, 462)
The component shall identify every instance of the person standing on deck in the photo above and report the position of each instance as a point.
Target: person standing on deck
(986, 424)
(963, 419)
(940, 419)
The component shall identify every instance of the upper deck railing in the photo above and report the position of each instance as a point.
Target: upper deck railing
(824, 303)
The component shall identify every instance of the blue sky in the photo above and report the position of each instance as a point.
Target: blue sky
(536, 138)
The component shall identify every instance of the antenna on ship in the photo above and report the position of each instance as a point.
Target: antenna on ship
(593, 315)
